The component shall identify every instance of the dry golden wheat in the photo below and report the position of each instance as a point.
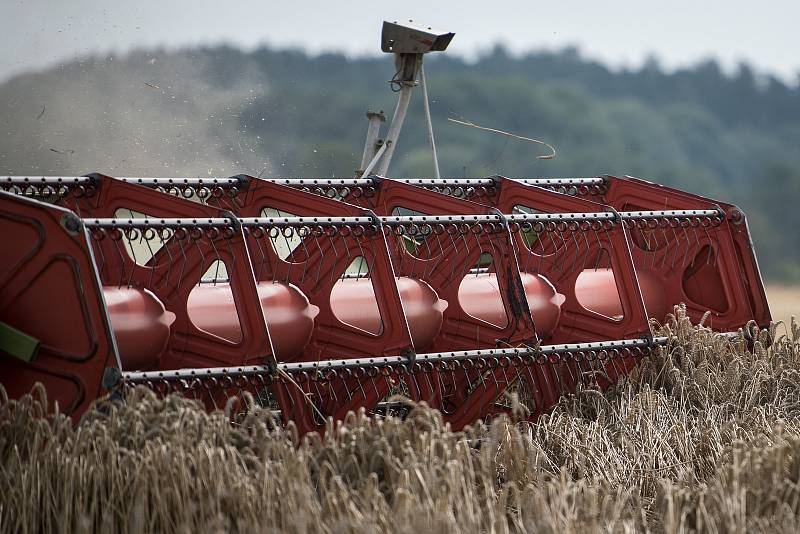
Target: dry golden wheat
(704, 436)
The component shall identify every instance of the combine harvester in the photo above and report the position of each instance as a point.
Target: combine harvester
(322, 296)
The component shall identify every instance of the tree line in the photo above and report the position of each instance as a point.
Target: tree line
(272, 112)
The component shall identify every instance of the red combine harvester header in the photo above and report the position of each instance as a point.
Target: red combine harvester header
(322, 296)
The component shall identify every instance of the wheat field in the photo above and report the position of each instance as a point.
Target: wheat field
(704, 436)
(784, 301)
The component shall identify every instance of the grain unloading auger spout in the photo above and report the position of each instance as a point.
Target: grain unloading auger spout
(323, 296)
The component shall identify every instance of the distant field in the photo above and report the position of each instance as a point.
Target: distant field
(784, 301)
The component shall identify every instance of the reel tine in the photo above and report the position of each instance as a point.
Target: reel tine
(677, 246)
(167, 248)
(182, 237)
(255, 235)
(573, 233)
(332, 242)
(453, 244)
(321, 261)
(303, 233)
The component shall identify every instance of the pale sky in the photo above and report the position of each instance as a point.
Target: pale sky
(35, 34)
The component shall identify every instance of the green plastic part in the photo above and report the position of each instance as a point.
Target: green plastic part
(17, 343)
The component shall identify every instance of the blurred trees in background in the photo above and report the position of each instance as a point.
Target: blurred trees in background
(221, 111)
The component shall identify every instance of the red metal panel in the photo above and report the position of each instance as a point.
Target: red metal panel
(443, 263)
(563, 264)
(176, 269)
(562, 253)
(49, 290)
(317, 265)
(731, 277)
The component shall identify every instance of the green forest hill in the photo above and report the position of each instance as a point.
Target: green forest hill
(220, 111)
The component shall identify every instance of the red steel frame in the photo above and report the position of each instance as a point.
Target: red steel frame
(733, 254)
(739, 278)
(731, 271)
(443, 268)
(715, 254)
(324, 258)
(51, 291)
(189, 346)
(606, 248)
